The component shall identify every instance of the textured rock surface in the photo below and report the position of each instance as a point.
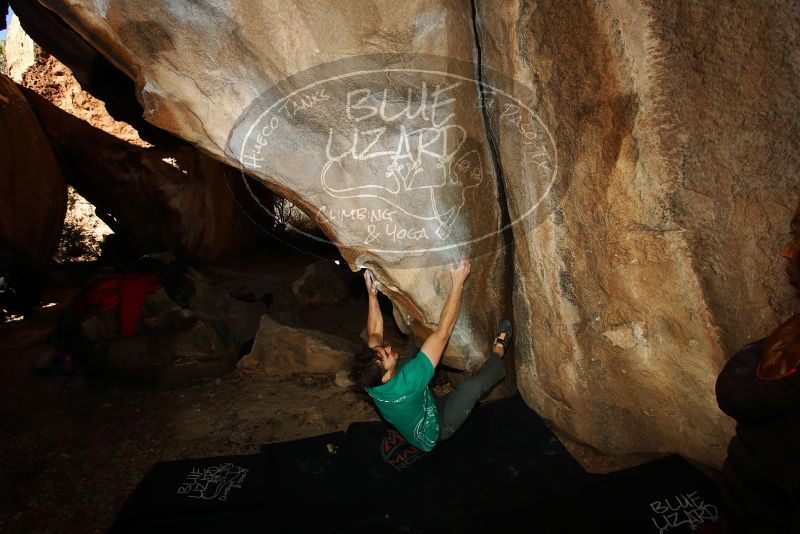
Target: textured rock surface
(241, 319)
(281, 350)
(215, 73)
(323, 282)
(182, 355)
(182, 202)
(20, 50)
(95, 73)
(191, 214)
(33, 193)
(654, 256)
(36, 69)
(660, 258)
(173, 346)
(54, 81)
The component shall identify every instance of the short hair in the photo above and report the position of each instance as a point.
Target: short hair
(367, 370)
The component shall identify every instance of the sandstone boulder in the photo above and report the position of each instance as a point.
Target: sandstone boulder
(659, 257)
(33, 192)
(94, 72)
(241, 319)
(323, 282)
(182, 201)
(282, 350)
(404, 258)
(622, 174)
(173, 346)
(179, 356)
(54, 81)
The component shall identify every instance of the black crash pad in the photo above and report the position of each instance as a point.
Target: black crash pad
(205, 491)
(502, 471)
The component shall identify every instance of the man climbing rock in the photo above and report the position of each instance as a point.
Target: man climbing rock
(400, 388)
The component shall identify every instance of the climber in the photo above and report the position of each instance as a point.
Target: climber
(400, 388)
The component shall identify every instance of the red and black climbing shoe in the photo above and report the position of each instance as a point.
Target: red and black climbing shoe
(503, 337)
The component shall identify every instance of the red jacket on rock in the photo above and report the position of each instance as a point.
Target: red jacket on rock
(124, 290)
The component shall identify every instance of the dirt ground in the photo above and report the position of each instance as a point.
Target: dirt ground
(74, 447)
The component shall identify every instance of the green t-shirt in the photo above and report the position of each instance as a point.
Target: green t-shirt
(406, 402)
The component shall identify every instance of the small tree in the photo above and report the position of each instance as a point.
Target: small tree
(78, 241)
(3, 66)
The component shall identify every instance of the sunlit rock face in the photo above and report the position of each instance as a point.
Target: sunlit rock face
(621, 175)
(20, 51)
(54, 81)
(182, 202)
(33, 192)
(157, 199)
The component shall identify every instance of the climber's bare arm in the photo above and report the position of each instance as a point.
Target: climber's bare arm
(436, 342)
(375, 318)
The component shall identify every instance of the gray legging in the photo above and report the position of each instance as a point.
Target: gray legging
(454, 408)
